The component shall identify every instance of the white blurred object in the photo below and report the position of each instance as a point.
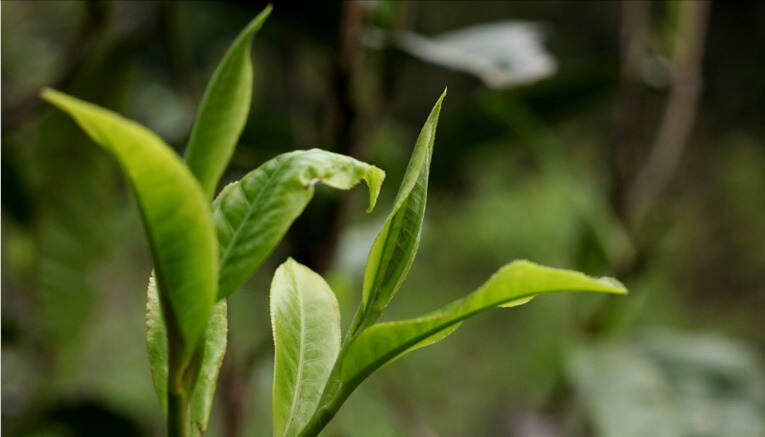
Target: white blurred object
(503, 54)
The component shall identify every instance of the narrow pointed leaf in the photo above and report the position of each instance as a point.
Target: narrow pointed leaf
(252, 215)
(213, 350)
(306, 326)
(175, 214)
(394, 248)
(156, 341)
(223, 112)
(518, 280)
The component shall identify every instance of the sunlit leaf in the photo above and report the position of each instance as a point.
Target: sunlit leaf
(516, 281)
(223, 111)
(253, 214)
(306, 323)
(380, 344)
(394, 248)
(175, 214)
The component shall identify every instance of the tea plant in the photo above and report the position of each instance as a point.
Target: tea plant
(202, 252)
(315, 370)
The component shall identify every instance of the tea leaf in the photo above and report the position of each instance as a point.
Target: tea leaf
(516, 281)
(253, 214)
(175, 214)
(394, 248)
(203, 388)
(210, 354)
(223, 111)
(306, 324)
(156, 341)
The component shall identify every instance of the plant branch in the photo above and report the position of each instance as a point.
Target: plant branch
(635, 22)
(679, 114)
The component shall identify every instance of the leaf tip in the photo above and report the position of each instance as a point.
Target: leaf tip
(442, 97)
(374, 178)
(52, 96)
(46, 93)
(259, 19)
(614, 285)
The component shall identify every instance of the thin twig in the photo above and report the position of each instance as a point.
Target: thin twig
(633, 35)
(679, 114)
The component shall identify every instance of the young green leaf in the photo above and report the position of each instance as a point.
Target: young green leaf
(306, 324)
(394, 248)
(253, 214)
(223, 111)
(175, 214)
(516, 281)
(156, 341)
(381, 344)
(210, 356)
(213, 349)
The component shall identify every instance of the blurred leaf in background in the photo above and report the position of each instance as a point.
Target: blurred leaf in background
(665, 383)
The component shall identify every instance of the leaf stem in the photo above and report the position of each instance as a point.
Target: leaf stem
(178, 421)
(324, 414)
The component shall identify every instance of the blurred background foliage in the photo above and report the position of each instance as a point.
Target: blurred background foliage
(615, 138)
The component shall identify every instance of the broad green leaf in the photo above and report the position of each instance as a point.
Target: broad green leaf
(394, 248)
(306, 324)
(253, 214)
(210, 355)
(518, 280)
(175, 214)
(223, 111)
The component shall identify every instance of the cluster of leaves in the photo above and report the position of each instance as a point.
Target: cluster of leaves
(316, 370)
(203, 252)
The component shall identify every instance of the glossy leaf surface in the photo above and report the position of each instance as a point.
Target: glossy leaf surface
(175, 214)
(253, 214)
(394, 248)
(383, 343)
(516, 281)
(223, 112)
(306, 324)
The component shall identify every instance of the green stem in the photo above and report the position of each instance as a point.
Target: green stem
(322, 417)
(178, 421)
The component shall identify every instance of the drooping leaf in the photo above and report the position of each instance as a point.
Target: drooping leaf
(223, 111)
(175, 214)
(306, 324)
(210, 355)
(516, 281)
(394, 248)
(253, 214)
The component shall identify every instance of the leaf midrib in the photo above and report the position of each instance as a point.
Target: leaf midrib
(299, 376)
(251, 210)
(366, 371)
(375, 286)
